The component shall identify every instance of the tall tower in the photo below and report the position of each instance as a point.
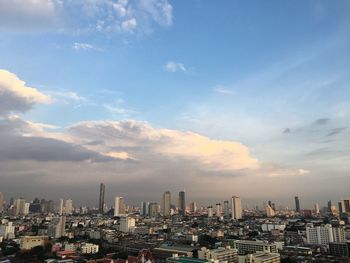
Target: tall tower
(119, 206)
(236, 207)
(69, 206)
(226, 209)
(182, 203)
(297, 204)
(166, 203)
(101, 202)
(60, 207)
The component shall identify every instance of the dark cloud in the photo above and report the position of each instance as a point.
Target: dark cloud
(45, 149)
(287, 130)
(322, 121)
(336, 131)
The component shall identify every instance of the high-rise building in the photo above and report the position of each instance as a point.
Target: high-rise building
(19, 206)
(210, 211)
(226, 209)
(322, 235)
(345, 206)
(269, 211)
(329, 205)
(119, 206)
(193, 207)
(1, 202)
(69, 206)
(166, 203)
(218, 211)
(236, 207)
(101, 202)
(153, 209)
(127, 224)
(317, 209)
(297, 204)
(60, 207)
(182, 203)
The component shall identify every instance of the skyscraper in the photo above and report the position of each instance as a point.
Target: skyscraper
(60, 207)
(182, 203)
(297, 204)
(119, 206)
(166, 203)
(236, 207)
(226, 209)
(69, 206)
(101, 202)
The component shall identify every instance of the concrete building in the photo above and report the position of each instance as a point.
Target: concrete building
(57, 228)
(210, 211)
(261, 258)
(236, 207)
(127, 224)
(154, 209)
(119, 206)
(2, 201)
(182, 203)
(297, 204)
(7, 231)
(69, 207)
(323, 235)
(250, 247)
(221, 254)
(166, 203)
(269, 211)
(182, 259)
(60, 207)
(88, 248)
(226, 209)
(101, 201)
(29, 242)
(193, 207)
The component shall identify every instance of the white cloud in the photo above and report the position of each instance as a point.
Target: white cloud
(85, 46)
(224, 90)
(16, 96)
(172, 66)
(160, 10)
(129, 25)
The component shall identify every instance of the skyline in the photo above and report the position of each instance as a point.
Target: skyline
(240, 98)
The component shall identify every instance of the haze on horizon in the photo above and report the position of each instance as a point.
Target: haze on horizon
(218, 98)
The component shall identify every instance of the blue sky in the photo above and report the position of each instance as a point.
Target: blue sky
(259, 73)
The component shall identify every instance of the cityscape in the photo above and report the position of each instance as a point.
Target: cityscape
(173, 230)
(169, 131)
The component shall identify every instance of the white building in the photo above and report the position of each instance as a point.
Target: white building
(7, 230)
(260, 258)
(88, 248)
(251, 246)
(166, 203)
(236, 207)
(69, 206)
(60, 206)
(210, 211)
(119, 206)
(323, 235)
(269, 211)
(127, 224)
(219, 255)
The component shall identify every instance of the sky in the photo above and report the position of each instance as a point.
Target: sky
(219, 98)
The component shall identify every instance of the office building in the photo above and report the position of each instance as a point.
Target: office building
(193, 207)
(317, 209)
(221, 254)
(182, 203)
(236, 207)
(69, 207)
(297, 204)
(218, 210)
(269, 211)
(210, 211)
(29, 242)
(323, 235)
(101, 202)
(7, 230)
(154, 209)
(57, 228)
(166, 203)
(340, 249)
(61, 207)
(127, 224)
(250, 247)
(119, 206)
(261, 257)
(226, 209)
